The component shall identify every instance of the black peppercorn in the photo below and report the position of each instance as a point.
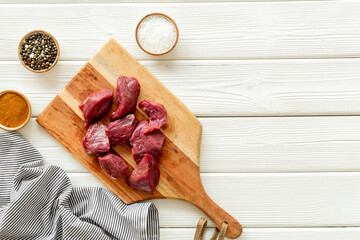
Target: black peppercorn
(38, 51)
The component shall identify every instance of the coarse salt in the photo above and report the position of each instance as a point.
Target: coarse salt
(157, 33)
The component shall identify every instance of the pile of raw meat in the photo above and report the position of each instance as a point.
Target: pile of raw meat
(144, 137)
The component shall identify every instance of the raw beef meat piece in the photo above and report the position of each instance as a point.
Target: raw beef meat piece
(156, 113)
(146, 175)
(96, 106)
(127, 92)
(113, 165)
(95, 140)
(146, 143)
(120, 131)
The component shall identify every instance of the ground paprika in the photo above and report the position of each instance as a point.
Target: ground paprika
(13, 110)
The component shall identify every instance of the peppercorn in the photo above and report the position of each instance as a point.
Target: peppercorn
(38, 51)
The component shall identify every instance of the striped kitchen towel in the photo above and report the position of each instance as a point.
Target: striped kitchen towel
(39, 202)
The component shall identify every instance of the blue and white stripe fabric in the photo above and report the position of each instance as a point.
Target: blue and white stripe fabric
(39, 202)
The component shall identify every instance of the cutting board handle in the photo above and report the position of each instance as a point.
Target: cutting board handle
(218, 215)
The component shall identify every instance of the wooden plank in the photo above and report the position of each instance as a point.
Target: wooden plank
(267, 199)
(225, 88)
(249, 30)
(288, 144)
(124, 1)
(271, 233)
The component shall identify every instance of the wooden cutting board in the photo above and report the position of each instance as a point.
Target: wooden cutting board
(179, 162)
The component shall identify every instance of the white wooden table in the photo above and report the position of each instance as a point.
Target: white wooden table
(276, 86)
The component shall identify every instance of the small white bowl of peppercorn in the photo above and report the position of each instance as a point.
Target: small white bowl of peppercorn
(39, 51)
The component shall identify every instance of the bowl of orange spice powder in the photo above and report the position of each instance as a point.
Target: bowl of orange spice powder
(15, 110)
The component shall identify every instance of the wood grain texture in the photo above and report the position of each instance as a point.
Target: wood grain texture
(179, 170)
(267, 200)
(271, 233)
(225, 88)
(296, 29)
(286, 144)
